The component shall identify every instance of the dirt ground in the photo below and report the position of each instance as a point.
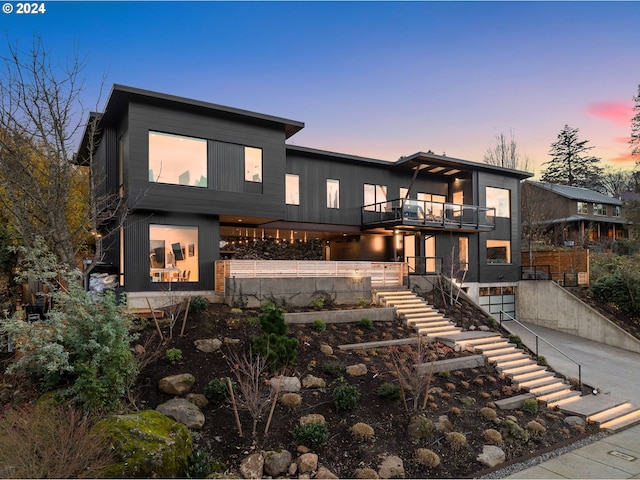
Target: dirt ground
(460, 395)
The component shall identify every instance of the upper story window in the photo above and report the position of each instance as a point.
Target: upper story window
(333, 193)
(617, 211)
(177, 159)
(499, 198)
(583, 207)
(498, 251)
(292, 189)
(599, 209)
(253, 164)
(375, 197)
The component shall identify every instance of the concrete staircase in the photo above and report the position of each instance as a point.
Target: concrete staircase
(525, 373)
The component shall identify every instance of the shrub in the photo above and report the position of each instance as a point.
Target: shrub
(446, 374)
(515, 431)
(51, 440)
(346, 397)
(272, 320)
(311, 434)
(317, 303)
(456, 440)
(492, 436)
(362, 302)
(198, 305)
(319, 325)
(366, 324)
(173, 355)
(333, 367)
(82, 346)
(279, 350)
(390, 391)
(530, 405)
(488, 413)
(420, 427)
(365, 473)
(535, 428)
(426, 457)
(201, 464)
(515, 339)
(217, 390)
(290, 400)
(362, 432)
(455, 410)
(542, 360)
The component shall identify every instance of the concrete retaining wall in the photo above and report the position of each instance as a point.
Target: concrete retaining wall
(549, 305)
(298, 292)
(343, 316)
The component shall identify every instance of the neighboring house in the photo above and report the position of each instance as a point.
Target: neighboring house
(194, 175)
(570, 216)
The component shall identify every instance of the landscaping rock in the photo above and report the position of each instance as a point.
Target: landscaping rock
(307, 462)
(313, 382)
(147, 444)
(357, 370)
(285, 384)
(325, 473)
(574, 420)
(491, 456)
(177, 384)
(327, 350)
(208, 345)
(276, 462)
(182, 411)
(198, 399)
(391, 467)
(252, 466)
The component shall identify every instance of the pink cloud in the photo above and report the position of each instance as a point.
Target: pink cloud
(623, 140)
(624, 159)
(618, 112)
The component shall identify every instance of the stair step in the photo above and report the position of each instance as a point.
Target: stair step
(472, 342)
(525, 360)
(444, 328)
(539, 382)
(388, 293)
(429, 323)
(423, 316)
(550, 388)
(404, 301)
(439, 333)
(407, 312)
(611, 413)
(555, 394)
(489, 347)
(504, 356)
(530, 375)
(554, 400)
(624, 421)
(524, 367)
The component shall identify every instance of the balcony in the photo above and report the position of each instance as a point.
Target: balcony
(426, 215)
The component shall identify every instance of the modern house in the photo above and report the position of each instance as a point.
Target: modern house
(193, 177)
(569, 216)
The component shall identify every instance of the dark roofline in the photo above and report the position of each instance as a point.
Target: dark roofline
(432, 158)
(341, 156)
(576, 193)
(119, 93)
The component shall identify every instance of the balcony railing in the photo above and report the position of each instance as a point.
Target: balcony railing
(420, 213)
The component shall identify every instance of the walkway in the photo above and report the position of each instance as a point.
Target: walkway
(615, 372)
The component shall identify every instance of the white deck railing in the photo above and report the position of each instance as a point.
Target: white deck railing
(381, 273)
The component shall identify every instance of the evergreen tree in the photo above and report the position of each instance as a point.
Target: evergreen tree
(570, 163)
(635, 127)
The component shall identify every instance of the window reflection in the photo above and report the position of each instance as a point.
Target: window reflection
(177, 159)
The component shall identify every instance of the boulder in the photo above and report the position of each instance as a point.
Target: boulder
(325, 473)
(491, 456)
(313, 382)
(198, 399)
(183, 411)
(326, 349)
(208, 345)
(252, 466)
(307, 462)
(285, 384)
(391, 467)
(177, 384)
(357, 370)
(147, 445)
(574, 420)
(277, 462)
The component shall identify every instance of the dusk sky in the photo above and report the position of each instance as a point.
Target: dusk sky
(374, 79)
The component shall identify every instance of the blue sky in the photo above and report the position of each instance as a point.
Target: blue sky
(377, 79)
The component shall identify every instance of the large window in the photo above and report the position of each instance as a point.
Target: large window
(583, 207)
(253, 164)
(333, 193)
(498, 198)
(375, 197)
(177, 160)
(173, 253)
(498, 251)
(292, 189)
(599, 209)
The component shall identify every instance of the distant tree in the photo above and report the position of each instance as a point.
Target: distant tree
(615, 181)
(570, 164)
(635, 127)
(505, 153)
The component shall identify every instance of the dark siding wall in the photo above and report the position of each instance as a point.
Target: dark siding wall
(229, 200)
(137, 249)
(506, 229)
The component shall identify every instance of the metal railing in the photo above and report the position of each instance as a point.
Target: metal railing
(538, 337)
(435, 214)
